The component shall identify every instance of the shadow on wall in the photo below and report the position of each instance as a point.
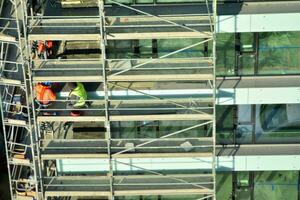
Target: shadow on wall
(4, 187)
(4, 184)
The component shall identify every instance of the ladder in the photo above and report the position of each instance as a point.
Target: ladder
(16, 106)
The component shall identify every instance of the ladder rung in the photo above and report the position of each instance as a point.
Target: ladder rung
(15, 122)
(19, 155)
(18, 197)
(5, 81)
(19, 161)
(7, 38)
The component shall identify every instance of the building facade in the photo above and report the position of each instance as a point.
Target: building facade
(162, 99)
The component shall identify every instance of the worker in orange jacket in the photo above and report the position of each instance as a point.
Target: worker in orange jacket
(49, 47)
(45, 49)
(44, 94)
(41, 50)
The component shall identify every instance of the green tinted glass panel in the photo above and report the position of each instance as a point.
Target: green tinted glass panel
(186, 197)
(144, 1)
(119, 1)
(168, 46)
(224, 185)
(150, 129)
(276, 185)
(145, 48)
(179, 1)
(225, 54)
(224, 117)
(279, 53)
(278, 123)
(247, 64)
(247, 42)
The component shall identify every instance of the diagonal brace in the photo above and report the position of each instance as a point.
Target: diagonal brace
(158, 98)
(163, 175)
(157, 17)
(164, 56)
(165, 136)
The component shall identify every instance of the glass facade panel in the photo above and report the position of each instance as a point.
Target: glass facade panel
(187, 197)
(120, 49)
(243, 194)
(162, 197)
(144, 1)
(178, 1)
(277, 123)
(247, 64)
(168, 46)
(224, 118)
(137, 198)
(244, 133)
(145, 48)
(224, 185)
(155, 129)
(244, 128)
(225, 54)
(266, 185)
(279, 53)
(120, 1)
(263, 124)
(276, 185)
(247, 41)
(186, 1)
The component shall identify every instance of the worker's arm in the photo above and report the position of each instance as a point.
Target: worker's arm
(73, 100)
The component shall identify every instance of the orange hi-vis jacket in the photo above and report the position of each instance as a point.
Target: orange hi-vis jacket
(41, 47)
(44, 94)
(49, 44)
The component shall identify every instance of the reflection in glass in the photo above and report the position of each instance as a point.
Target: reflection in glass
(278, 123)
(225, 54)
(272, 124)
(279, 53)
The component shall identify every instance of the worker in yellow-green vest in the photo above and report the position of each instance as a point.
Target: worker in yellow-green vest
(77, 97)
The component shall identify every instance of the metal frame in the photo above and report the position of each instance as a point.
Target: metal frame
(106, 98)
(15, 79)
(114, 77)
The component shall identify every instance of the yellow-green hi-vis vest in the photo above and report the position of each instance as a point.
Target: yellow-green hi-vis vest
(80, 92)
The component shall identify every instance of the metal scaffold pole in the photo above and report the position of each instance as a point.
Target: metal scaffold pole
(129, 92)
(214, 22)
(103, 43)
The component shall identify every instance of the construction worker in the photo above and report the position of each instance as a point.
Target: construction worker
(34, 47)
(49, 48)
(19, 109)
(77, 97)
(44, 94)
(41, 50)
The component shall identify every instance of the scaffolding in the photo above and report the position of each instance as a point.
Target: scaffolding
(128, 92)
(21, 140)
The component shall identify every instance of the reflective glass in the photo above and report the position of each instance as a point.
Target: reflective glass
(279, 53)
(225, 54)
(276, 185)
(247, 64)
(165, 46)
(277, 123)
(224, 185)
(224, 117)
